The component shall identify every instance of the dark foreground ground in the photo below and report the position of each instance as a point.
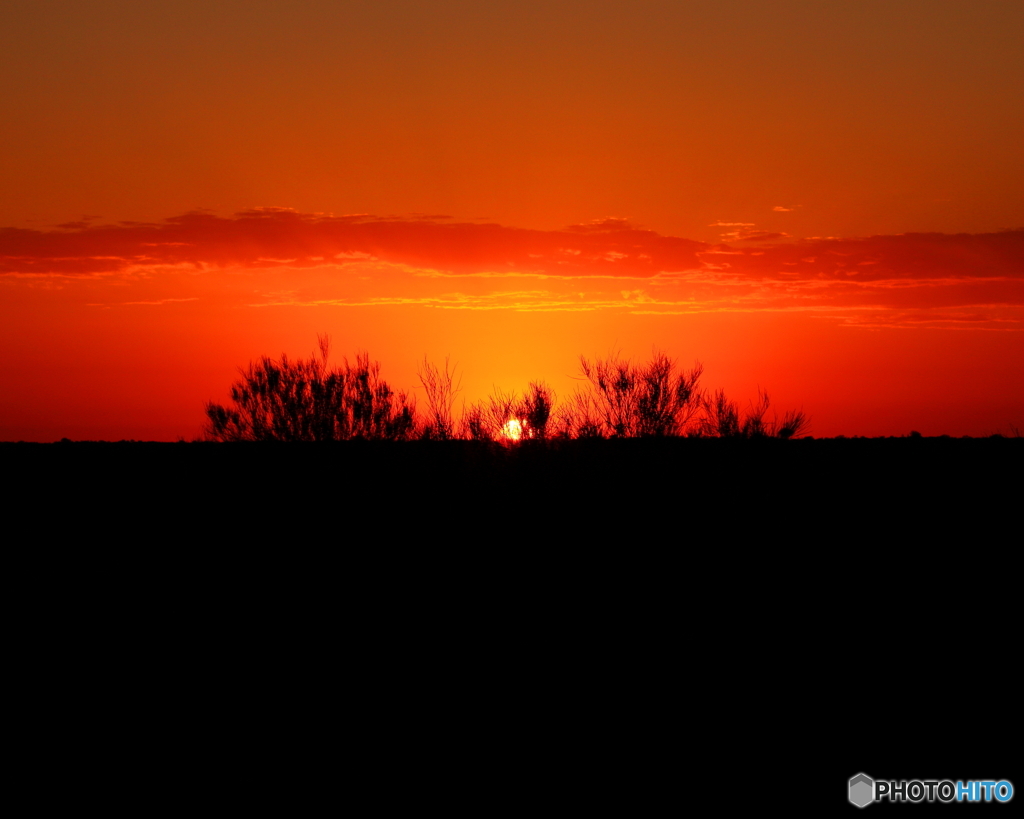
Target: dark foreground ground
(653, 490)
(482, 627)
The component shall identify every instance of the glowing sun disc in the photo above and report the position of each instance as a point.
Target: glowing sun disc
(513, 429)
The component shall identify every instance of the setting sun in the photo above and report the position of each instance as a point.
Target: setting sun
(513, 429)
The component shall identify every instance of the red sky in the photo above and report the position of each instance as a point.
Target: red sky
(824, 200)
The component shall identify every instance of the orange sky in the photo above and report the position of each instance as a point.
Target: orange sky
(825, 200)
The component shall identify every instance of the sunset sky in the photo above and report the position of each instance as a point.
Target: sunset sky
(821, 199)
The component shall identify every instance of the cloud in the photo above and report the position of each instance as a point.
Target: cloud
(522, 300)
(363, 260)
(909, 256)
(267, 237)
(746, 232)
(762, 236)
(279, 237)
(146, 303)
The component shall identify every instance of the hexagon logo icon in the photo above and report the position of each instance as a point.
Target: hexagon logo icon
(862, 790)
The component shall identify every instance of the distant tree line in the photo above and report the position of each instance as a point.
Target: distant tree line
(311, 400)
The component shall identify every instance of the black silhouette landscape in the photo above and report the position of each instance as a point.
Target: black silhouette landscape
(642, 450)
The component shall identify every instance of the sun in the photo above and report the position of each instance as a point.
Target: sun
(513, 430)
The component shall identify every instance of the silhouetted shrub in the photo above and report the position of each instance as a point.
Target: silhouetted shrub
(441, 390)
(721, 418)
(534, 410)
(507, 416)
(307, 400)
(626, 400)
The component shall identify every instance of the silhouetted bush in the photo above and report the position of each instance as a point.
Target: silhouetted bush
(307, 400)
(626, 400)
(721, 418)
(441, 390)
(509, 416)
